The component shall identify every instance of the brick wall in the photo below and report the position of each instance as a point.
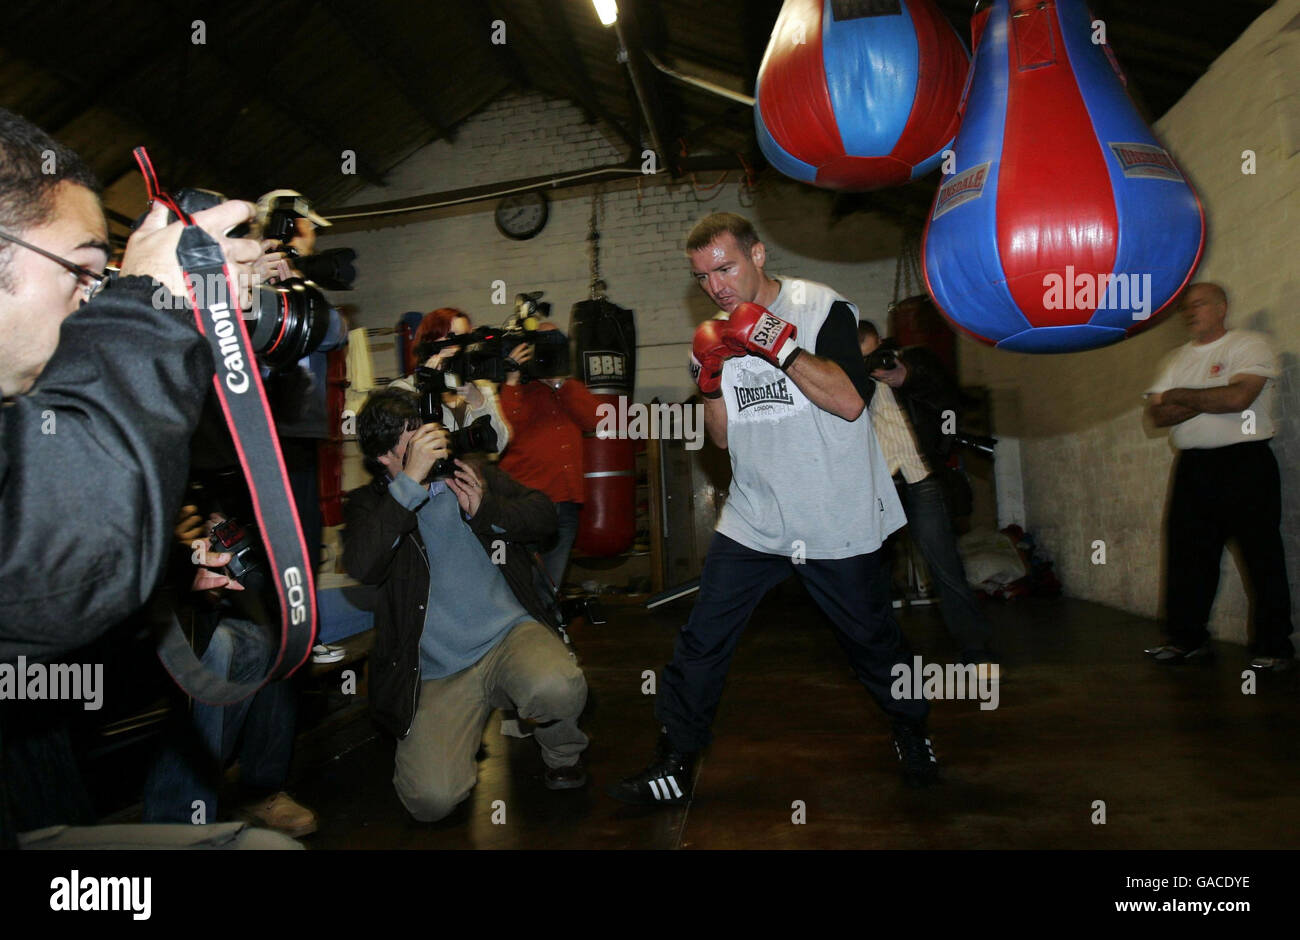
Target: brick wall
(451, 257)
(1091, 469)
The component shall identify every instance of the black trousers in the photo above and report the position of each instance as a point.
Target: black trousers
(1218, 494)
(734, 580)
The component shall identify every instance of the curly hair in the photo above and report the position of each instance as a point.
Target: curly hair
(382, 419)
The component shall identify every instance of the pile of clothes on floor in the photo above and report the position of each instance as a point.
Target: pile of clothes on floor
(1008, 564)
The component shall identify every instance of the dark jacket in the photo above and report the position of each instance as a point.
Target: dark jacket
(382, 546)
(92, 469)
(926, 395)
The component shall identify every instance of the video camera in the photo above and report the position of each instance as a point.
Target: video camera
(485, 352)
(287, 320)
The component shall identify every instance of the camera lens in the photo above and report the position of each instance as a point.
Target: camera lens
(290, 321)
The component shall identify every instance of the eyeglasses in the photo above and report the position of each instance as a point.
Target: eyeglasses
(91, 283)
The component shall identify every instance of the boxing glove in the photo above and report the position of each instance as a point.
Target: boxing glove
(709, 351)
(757, 331)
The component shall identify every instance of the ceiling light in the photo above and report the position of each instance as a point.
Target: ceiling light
(607, 10)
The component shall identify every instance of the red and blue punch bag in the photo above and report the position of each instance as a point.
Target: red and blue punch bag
(1065, 225)
(859, 94)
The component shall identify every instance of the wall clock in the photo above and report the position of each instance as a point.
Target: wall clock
(523, 216)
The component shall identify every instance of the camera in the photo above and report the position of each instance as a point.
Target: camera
(332, 268)
(224, 492)
(478, 437)
(884, 356)
(246, 563)
(286, 321)
(485, 352)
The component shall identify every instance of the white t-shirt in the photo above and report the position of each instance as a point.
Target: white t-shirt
(1213, 365)
(802, 479)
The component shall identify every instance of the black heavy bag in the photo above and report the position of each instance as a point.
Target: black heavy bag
(603, 336)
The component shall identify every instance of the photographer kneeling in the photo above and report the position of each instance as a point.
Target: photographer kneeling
(459, 626)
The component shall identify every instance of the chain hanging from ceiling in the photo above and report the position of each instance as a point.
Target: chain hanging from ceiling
(907, 271)
(593, 241)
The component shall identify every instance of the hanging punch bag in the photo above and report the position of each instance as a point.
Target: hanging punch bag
(603, 337)
(1065, 225)
(859, 94)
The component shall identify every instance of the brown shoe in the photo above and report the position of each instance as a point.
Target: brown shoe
(281, 813)
(565, 778)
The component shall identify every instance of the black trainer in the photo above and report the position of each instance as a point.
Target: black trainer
(915, 753)
(666, 782)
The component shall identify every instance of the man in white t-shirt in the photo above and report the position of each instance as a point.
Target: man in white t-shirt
(784, 390)
(1217, 392)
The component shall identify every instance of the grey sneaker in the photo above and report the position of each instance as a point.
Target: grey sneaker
(1271, 663)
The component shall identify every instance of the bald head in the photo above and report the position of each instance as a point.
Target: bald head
(1204, 308)
(1210, 289)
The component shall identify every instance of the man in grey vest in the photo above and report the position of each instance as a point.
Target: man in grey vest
(784, 388)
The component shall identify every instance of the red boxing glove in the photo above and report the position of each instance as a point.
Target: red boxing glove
(708, 352)
(756, 330)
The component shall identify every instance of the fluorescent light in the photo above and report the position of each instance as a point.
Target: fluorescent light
(607, 10)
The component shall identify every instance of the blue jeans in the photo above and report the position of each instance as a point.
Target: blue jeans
(197, 751)
(557, 559)
(735, 578)
(930, 526)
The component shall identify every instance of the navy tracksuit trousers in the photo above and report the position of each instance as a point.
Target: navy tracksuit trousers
(734, 580)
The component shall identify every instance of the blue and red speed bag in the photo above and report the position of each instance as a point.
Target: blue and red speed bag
(1065, 225)
(859, 94)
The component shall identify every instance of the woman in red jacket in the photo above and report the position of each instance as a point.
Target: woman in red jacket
(547, 418)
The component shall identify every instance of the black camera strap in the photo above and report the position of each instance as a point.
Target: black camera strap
(238, 385)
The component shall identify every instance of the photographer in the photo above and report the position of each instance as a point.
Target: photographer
(202, 739)
(459, 626)
(107, 391)
(914, 406)
(549, 417)
(297, 393)
(102, 392)
(468, 401)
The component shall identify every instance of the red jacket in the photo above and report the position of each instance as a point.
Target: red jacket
(546, 428)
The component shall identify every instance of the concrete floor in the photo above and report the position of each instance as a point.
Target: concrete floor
(1181, 758)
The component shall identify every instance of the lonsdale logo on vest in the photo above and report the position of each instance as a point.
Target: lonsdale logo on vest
(774, 392)
(656, 422)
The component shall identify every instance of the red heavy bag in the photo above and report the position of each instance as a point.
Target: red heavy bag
(1065, 224)
(859, 94)
(608, 522)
